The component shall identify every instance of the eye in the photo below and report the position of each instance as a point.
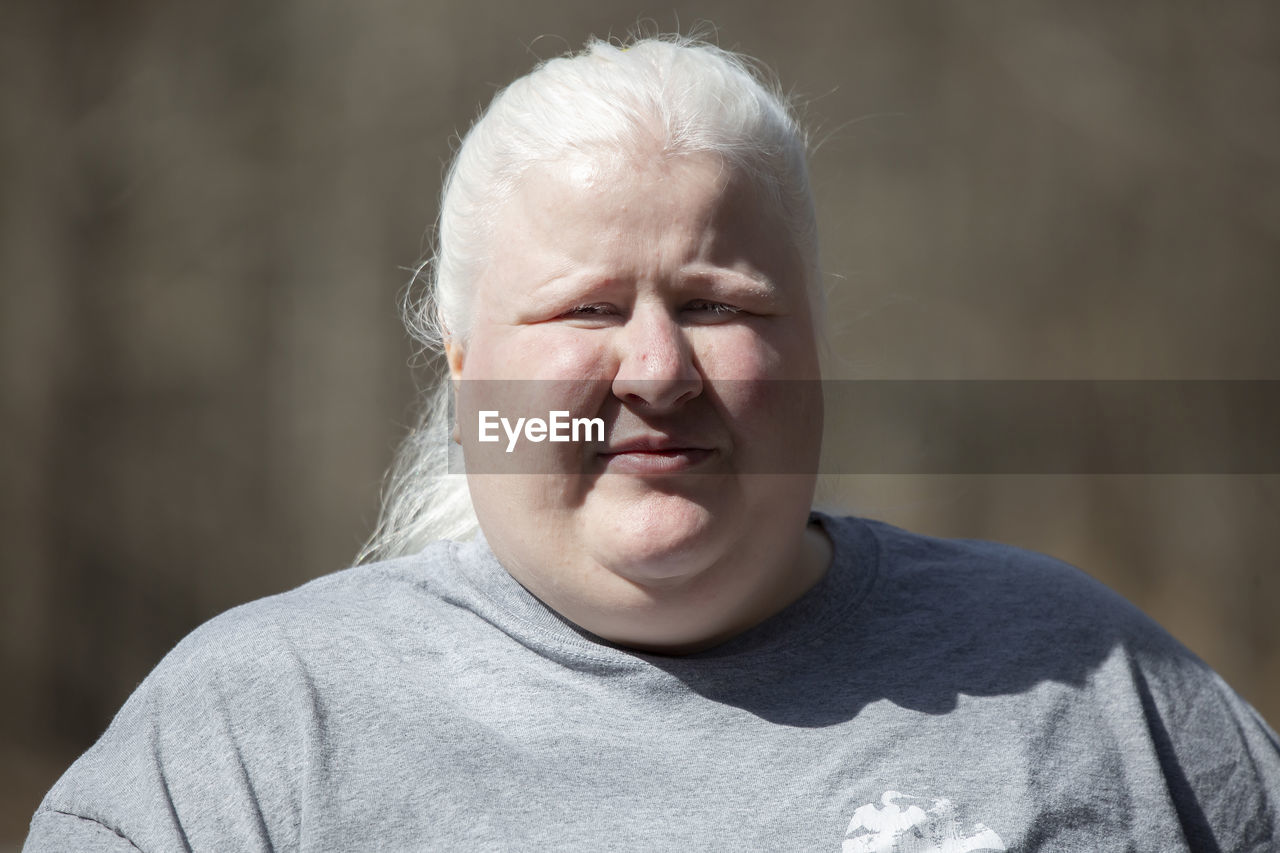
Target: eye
(594, 309)
(712, 310)
(592, 314)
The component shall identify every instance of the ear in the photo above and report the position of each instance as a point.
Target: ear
(454, 354)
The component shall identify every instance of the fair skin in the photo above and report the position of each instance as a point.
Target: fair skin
(661, 294)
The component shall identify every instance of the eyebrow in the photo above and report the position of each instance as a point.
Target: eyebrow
(566, 280)
(758, 284)
(569, 281)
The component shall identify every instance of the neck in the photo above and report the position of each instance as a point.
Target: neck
(691, 611)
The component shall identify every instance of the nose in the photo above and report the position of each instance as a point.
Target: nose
(656, 368)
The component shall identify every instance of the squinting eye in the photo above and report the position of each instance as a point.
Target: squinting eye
(716, 309)
(589, 310)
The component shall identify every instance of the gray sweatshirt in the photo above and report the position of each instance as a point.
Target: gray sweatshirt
(926, 695)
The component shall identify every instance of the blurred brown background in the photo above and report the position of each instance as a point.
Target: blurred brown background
(205, 210)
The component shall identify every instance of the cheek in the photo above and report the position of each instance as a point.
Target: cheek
(539, 352)
(768, 387)
(569, 354)
(513, 375)
(745, 351)
(776, 424)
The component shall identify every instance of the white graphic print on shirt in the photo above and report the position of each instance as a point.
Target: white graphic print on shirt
(902, 826)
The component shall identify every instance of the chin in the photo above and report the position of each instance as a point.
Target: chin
(661, 538)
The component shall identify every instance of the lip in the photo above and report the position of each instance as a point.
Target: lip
(654, 455)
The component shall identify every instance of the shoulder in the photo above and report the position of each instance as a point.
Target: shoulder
(994, 582)
(311, 641)
(963, 618)
(997, 619)
(326, 615)
(225, 723)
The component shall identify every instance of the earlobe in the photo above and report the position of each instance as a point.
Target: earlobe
(454, 354)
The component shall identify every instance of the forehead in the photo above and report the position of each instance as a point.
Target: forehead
(629, 179)
(592, 205)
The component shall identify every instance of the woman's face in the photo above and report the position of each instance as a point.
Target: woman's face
(665, 298)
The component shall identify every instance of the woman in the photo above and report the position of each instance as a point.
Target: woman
(655, 643)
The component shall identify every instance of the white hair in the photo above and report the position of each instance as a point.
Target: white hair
(678, 94)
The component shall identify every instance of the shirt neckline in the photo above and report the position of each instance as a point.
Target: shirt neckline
(855, 565)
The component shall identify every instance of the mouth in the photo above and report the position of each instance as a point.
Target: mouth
(654, 456)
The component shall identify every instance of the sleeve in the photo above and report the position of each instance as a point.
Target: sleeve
(205, 755)
(1184, 736)
(1221, 762)
(54, 830)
